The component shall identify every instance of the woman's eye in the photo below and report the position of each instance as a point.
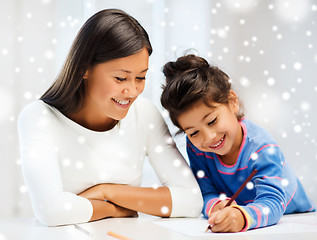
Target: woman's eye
(140, 78)
(120, 79)
(193, 134)
(212, 122)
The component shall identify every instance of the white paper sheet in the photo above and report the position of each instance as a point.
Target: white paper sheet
(296, 223)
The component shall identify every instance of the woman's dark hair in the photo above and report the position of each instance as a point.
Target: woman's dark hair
(107, 35)
(190, 80)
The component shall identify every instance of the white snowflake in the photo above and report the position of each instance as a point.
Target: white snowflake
(254, 156)
(200, 174)
(250, 185)
(164, 210)
(266, 210)
(285, 182)
(222, 196)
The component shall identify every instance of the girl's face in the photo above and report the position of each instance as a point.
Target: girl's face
(112, 87)
(214, 129)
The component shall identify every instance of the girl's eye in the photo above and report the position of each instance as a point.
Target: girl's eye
(120, 79)
(140, 78)
(193, 134)
(213, 121)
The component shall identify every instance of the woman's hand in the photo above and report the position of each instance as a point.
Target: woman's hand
(124, 212)
(154, 201)
(95, 192)
(228, 219)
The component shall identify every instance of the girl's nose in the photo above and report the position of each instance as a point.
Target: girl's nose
(208, 137)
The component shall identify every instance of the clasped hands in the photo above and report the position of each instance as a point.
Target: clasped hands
(102, 192)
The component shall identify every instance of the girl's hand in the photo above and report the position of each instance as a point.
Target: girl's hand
(229, 219)
(221, 205)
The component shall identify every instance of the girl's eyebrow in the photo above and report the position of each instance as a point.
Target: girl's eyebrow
(201, 120)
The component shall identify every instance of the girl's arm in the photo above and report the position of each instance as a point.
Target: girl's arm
(210, 193)
(270, 201)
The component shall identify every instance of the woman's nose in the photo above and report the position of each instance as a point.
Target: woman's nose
(131, 89)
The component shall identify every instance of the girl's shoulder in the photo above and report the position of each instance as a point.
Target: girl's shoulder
(256, 139)
(256, 133)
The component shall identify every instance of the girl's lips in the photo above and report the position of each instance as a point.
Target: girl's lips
(219, 144)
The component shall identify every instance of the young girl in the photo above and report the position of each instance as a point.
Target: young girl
(84, 142)
(224, 148)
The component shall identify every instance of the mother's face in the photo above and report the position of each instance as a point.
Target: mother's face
(112, 87)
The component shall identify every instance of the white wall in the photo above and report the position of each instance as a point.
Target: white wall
(267, 47)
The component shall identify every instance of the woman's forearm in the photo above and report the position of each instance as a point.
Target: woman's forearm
(154, 201)
(103, 209)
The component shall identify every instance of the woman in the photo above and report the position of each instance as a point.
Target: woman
(83, 143)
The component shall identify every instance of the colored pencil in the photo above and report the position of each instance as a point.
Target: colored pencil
(118, 236)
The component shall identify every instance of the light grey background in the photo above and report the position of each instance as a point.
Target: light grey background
(268, 48)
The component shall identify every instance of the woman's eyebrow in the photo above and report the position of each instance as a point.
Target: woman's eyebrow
(127, 71)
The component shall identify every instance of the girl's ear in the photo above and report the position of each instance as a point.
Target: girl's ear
(234, 102)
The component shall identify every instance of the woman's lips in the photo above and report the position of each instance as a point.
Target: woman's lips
(122, 103)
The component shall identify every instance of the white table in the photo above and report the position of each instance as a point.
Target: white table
(295, 226)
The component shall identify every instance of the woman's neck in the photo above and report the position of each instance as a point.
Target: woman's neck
(93, 121)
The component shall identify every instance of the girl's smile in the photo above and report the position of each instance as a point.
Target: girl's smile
(214, 128)
(219, 144)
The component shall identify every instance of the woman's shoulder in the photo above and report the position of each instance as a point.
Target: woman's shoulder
(144, 106)
(36, 111)
(33, 108)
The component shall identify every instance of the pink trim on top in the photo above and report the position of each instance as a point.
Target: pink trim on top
(292, 196)
(267, 215)
(188, 145)
(211, 204)
(258, 214)
(312, 207)
(265, 146)
(244, 130)
(283, 205)
(232, 173)
(199, 154)
(279, 178)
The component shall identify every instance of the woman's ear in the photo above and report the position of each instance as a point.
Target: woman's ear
(234, 102)
(85, 75)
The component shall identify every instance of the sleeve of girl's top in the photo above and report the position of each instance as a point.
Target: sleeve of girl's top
(270, 201)
(209, 192)
(170, 166)
(51, 205)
